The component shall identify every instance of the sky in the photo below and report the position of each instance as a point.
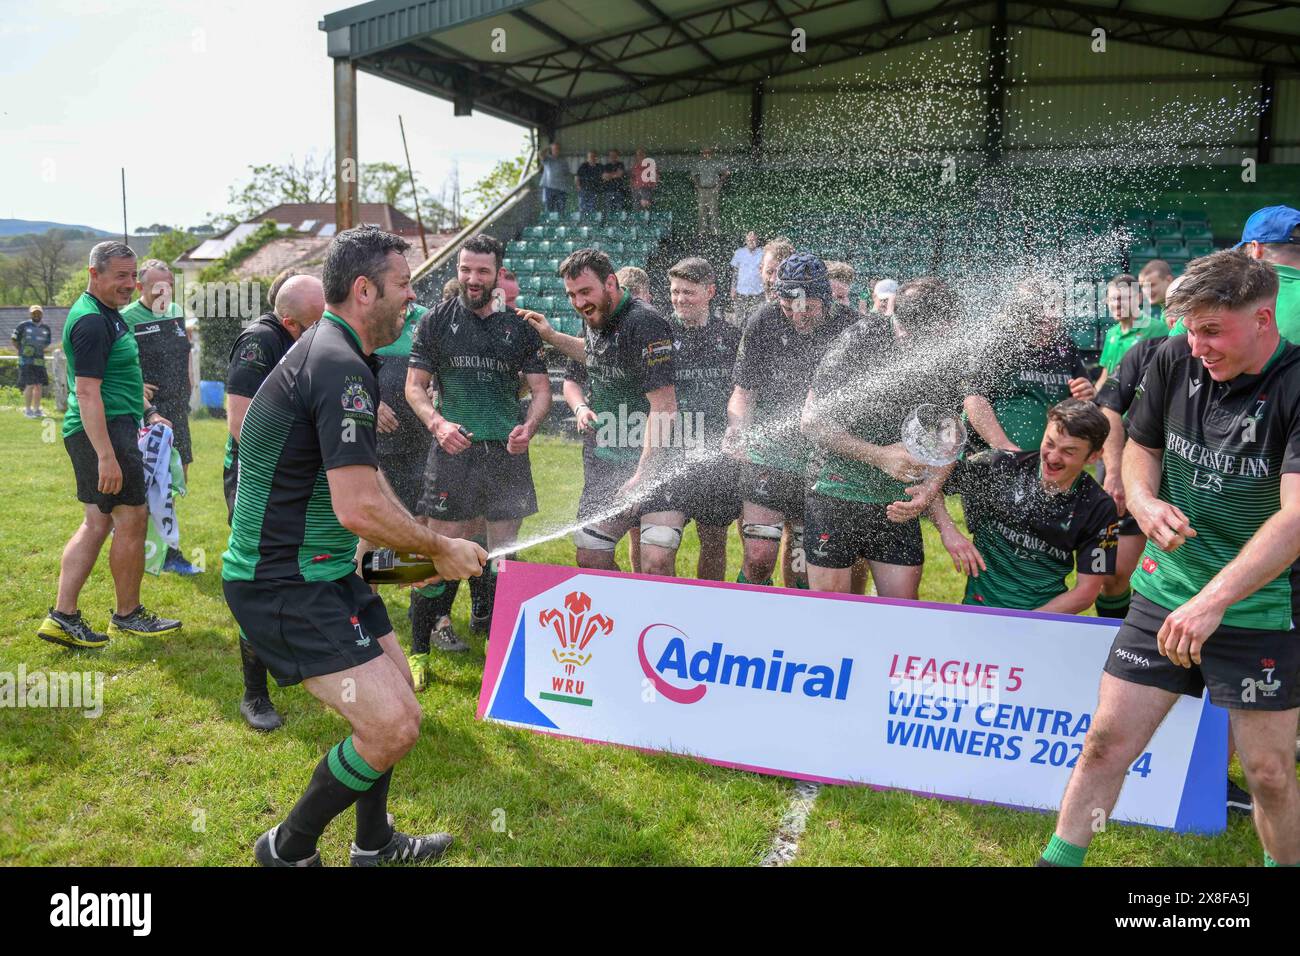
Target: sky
(187, 94)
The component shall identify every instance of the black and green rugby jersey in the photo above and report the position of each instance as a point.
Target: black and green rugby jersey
(314, 412)
(412, 438)
(776, 363)
(164, 350)
(867, 385)
(31, 339)
(477, 362)
(1031, 385)
(705, 360)
(98, 344)
(630, 356)
(1032, 538)
(1120, 387)
(256, 351)
(1226, 446)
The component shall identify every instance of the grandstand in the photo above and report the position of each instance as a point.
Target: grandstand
(1158, 144)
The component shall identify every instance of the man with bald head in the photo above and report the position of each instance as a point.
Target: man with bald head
(297, 303)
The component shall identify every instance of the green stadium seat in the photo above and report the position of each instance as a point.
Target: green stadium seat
(1196, 232)
(530, 283)
(1194, 216)
(1199, 247)
(619, 216)
(551, 216)
(534, 232)
(1164, 228)
(524, 265)
(549, 265)
(558, 232)
(1166, 247)
(510, 263)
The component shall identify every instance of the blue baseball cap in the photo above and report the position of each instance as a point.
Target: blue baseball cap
(1271, 224)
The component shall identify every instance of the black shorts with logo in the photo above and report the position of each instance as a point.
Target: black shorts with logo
(838, 532)
(303, 629)
(774, 488)
(707, 492)
(32, 375)
(603, 477)
(124, 436)
(484, 480)
(178, 413)
(1244, 669)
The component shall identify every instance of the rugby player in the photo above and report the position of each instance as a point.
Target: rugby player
(159, 326)
(100, 434)
(866, 490)
(1037, 515)
(704, 350)
(289, 572)
(1044, 371)
(478, 464)
(781, 346)
(1123, 302)
(297, 303)
(620, 386)
(1212, 475)
(1154, 278)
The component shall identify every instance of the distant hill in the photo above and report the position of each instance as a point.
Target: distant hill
(17, 227)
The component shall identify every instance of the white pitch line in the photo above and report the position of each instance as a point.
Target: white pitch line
(785, 844)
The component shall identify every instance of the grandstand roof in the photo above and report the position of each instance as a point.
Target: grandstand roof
(560, 66)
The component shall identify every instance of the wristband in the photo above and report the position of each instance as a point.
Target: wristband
(151, 410)
(581, 405)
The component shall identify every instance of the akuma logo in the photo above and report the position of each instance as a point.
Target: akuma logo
(1149, 565)
(712, 666)
(574, 629)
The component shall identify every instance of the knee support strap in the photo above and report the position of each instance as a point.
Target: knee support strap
(661, 536)
(589, 539)
(761, 532)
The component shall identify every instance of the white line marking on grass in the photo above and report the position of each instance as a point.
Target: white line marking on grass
(785, 844)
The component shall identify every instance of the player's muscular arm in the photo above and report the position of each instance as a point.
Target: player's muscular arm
(893, 459)
(740, 413)
(966, 558)
(539, 385)
(366, 507)
(570, 346)
(1112, 455)
(1078, 599)
(236, 410)
(986, 423)
(1269, 552)
(1163, 523)
(446, 433)
(574, 397)
(659, 426)
(1100, 382)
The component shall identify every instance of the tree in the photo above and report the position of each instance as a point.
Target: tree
(171, 245)
(501, 181)
(270, 184)
(43, 267)
(391, 184)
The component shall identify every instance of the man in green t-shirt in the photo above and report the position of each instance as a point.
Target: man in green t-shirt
(1154, 277)
(105, 406)
(1123, 302)
(1273, 234)
(1212, 475)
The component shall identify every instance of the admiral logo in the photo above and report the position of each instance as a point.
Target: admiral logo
(574, 629)
(773, 674)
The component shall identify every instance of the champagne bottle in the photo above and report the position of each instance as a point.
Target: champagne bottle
(386, 566)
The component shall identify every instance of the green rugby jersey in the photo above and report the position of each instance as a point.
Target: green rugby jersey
(628, 357)
(1118, 341)
(477, 362)
(98, 344)
(867, 385)
(1225, 448)
(777, 363)
(314, 412)
(252, 356)
(1031, 538)
(1288, 302)
(164, 352)
(1033, 384)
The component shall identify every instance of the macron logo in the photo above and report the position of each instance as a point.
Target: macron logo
(1193, 388)
(103, 909)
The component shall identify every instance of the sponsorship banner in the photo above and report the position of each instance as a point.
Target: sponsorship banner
(957, 702)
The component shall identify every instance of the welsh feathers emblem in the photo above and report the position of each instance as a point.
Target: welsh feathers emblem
(575, 629)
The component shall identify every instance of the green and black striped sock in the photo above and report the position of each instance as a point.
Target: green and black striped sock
(1114, 605)
(1269, 861)
(339, 779)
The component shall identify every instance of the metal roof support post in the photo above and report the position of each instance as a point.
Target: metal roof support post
(997, 92)
(347, 209)
(756, 122)
(1267, 95)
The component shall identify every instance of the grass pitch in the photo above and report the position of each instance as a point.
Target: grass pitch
(170, 774)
